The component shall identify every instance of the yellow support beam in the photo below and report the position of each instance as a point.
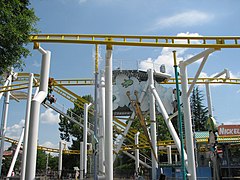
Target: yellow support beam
(148, 41)
(206, 80)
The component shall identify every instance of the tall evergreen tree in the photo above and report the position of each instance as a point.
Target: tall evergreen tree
(199, 111)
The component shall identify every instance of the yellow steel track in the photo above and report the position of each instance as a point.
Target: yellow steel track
(147, 41)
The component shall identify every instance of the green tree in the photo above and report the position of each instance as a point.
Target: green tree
(69, 129)
(41, 161)
(199, 111)
(17, 22)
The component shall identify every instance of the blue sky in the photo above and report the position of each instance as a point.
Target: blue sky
(131, 17)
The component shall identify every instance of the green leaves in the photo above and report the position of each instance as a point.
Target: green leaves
(17, 22)
(199, 111)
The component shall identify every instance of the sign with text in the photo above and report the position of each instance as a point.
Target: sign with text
(228, 130)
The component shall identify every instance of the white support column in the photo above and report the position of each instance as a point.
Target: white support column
(169, 154)
(153, 127)
(186, 106)
(188, 123)
(85, 139)
(168, 123)
(176, 158)
(197, 75)
(60, 159)
(26, 129)
(4, 121)
(9, 79)
(34, 116)
(108, 116)
(102, 124)
(209, 101)
(136, 153)
(208, 92)
(81, 160)
(16, 154)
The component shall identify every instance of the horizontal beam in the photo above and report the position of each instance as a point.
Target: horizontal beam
(206, 80)
(147, 41)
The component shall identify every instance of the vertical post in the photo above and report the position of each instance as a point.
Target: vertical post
(95, 114)
(169, 154)
(81, 160)
(179, 116)
(34, 116)
(26, 129)
(108, 115)
(102, 124)
(60, 159)
(176, 158)
(136, 154)
(153, 126)
(209, 101)
(47, 164)
(16, 154)
(4, 121)
(85, 139)
(188, 122)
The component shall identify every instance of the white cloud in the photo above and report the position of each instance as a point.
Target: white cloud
(49, 144)
(230, 121)
(82, 1)
(185, 19)
(166, 56)
(48, 117)
(15, 130)
(36, 63)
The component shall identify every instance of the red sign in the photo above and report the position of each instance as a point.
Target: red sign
(228, 130)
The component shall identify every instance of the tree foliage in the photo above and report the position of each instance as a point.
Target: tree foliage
(71, 131)
(17, 22)
(199, 111)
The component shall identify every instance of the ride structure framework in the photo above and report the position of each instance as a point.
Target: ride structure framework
(212, 43)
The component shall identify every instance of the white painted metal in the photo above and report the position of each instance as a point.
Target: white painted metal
(9, 79)
(208, 92)
(15, 154)
(34, 116)
(209, 101)
(153, 126)
(140, 161)
(188, 123)
(85, 139)
(102, 124)
(143, 93)
(81, 161)
(197, 75)
(4, 121)
(169, 154)
(168, 123)
(26, 126)
(60, 159)
(186, 106)
(136, 153)
(199, 56)
(108, 116)
(176, 158)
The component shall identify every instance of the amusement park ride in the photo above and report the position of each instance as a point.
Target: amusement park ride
(118, 93)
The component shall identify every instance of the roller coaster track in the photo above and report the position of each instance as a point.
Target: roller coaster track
(86, 82)
(52, 150)
(216, 42)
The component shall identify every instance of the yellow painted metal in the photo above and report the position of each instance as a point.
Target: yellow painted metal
(216, 42)
(71, 96)
(206, 80)
(43, 148)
